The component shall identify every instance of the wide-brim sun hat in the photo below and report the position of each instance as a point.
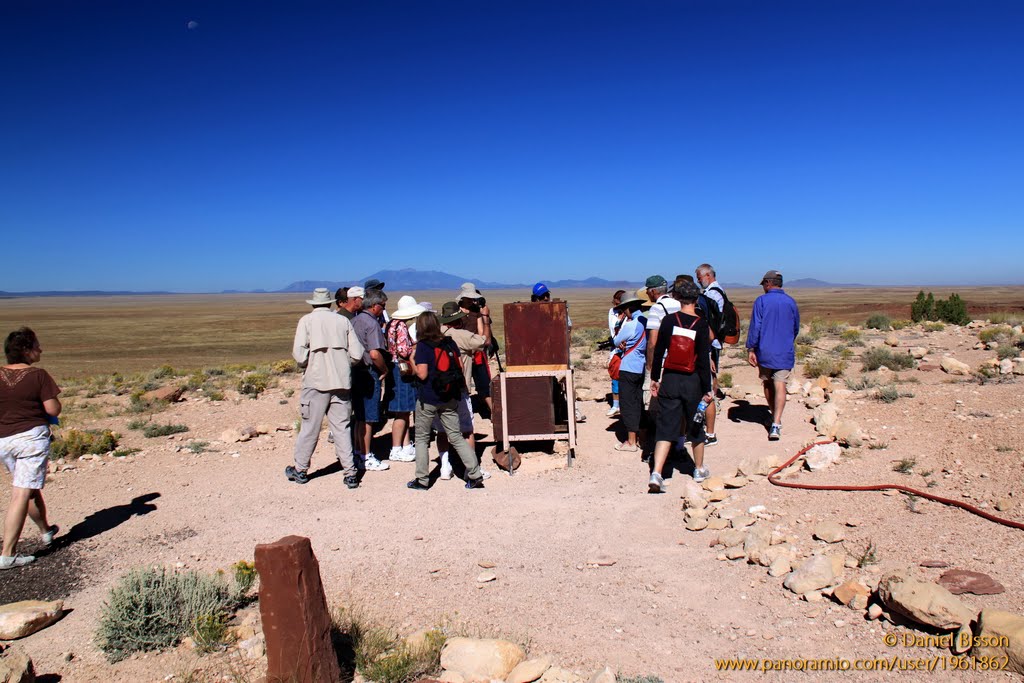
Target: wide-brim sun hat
(451, 312)
(321, 296)
(642, 295)
(407, 308)
(468, 291)
(631, 300)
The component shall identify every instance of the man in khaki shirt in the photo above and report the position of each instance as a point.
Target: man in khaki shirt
(453, 325)
(326, 347)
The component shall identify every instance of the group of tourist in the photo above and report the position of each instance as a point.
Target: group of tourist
(360, 363)
(667, 342)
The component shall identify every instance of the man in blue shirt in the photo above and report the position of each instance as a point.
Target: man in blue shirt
(632, 339)
(774, 326)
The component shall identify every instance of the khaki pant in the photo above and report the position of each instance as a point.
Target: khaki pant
(313, 406)
(448, 413)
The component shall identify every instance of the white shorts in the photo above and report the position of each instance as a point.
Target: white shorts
(26, 455)
(465, 408)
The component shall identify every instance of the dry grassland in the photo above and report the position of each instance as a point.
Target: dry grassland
(93, 335)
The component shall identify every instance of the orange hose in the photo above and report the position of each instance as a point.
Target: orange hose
(883, 487)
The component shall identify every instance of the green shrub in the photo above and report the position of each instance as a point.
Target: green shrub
(253, 384)
(213, 393)
(889, 394)
(195, 381)
(138, 423)
(822, 365)
(878, 321)
(923, 307)
(934, 327)
(999, 333)
(860, 383)
(284, 367)
(850, 335)
(124, 452)
(802, 351)
(640, 679)
(725, 379)
(162, 372)
(383, 657)
(953, 310)
(901, 324)
(74, 443)
(244, 575)
(588, 336)
(876, 357)
(155, 430)
(1006, 318)
(197, 446)
(153, 609)
(1007, 352)
(905, 466)
(806, 339)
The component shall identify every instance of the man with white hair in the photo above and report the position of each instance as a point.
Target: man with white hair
(366, 381)
(326, 347)
(708, 281)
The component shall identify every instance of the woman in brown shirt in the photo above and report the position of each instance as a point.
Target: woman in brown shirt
(28, 400)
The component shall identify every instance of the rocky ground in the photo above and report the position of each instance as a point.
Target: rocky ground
(588, 568)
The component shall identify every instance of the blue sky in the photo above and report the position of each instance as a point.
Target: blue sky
(875, 142)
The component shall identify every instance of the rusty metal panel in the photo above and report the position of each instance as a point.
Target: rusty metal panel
(536, 333)
(531, 405)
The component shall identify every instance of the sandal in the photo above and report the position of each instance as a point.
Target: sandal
(626, 448)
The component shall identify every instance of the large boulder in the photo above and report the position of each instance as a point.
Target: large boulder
(815, 573)
(1001, 634)
(954, 367)
(293, 610)
(16, 666)
(483, 658)
(923, 602)
(849, 432)
(169, 393)
(20, 619)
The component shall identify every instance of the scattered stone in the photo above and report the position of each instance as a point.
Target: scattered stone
(486, 577)
(849, 433)
(756, 543)
(954, 367)
(997, 626)
(713, 484)
(822, 455)
(486, 564)
(812, 596)
(815, 573)
(825, 418)
(717, 496)
(874, 611)
(263, 429)
(230, 436)
(481, 658)
(697, 523)
(934, 564)
(859, 601)
(742, 521)
(830, 532)
(848, 590)
(923, 602)
(294, 613)
(736, 482)
(529, 671)
(779, 567)
(247, 433)
(1006, 366)
(963, 640)
(892, 340)
(16, 666)
(557, 674)
(1004, 504)
(1018, 366)
(448, 677)
(285, 428)
(695, 514)
(20, 619)
(168, 393)
(917, 352)
(735, 553)
(605, 675)
(603, 561)
(793, 387)
(731, 537)
(959, 581)
(717, 524)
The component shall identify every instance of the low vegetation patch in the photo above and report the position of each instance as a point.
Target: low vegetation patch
(253, 384)
(999, 333)
(904, 466)
(824, 366)
(934, 327)
(901, 324)
(861, 383)
(154, 430)
(850, 335)
(1004, 352)
(378, 654)
(197, 446)
(891, 394)
(124, 452)
(874, 358)
(878, 321)
(725, 379)
(153, 609)
(74, 443)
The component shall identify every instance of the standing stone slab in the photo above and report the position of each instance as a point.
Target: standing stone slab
(293, 609)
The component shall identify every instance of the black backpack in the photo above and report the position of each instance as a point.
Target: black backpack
(447, 380)
(729, 330)
(709, 308)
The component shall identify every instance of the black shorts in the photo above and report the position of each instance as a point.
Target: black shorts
(678, 396)
(482, 378)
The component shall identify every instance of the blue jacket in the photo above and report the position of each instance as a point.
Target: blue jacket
(631, 332)
(774, 326)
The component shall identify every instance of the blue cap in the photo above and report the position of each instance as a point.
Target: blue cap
(540, 289)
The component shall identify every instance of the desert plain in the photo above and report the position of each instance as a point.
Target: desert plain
(589, 568)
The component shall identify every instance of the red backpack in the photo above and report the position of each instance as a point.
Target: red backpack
(448, 380)
(682, 348)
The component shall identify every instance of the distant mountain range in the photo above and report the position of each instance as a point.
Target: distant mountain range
(410, 279)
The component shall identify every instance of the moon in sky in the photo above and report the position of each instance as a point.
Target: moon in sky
(192, 25)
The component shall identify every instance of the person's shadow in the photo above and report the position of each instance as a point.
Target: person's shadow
(745, 411)
(106, 519)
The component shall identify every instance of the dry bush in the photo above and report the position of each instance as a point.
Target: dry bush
(876, 357)
(878, 321)
(822, 365)
(74, 443)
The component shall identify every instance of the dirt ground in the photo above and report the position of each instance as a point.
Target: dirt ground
(666, 606)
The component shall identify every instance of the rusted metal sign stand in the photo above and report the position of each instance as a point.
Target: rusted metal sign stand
(536, 345)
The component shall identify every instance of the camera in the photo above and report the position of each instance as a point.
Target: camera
(606, 345)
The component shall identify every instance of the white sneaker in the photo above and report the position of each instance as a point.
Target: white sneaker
(613, 412)
(700, 474)
(372, 464)
(446, 466)
(399, 454)
(15, 561)
(410, 452)
(656, 484)
(484, 474)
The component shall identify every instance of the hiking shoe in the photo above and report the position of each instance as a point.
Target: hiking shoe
(484, 474)
(711, 440)
(15, 561)
(352, 482)
(580, 417)
(613, 412)
(700, 474)
(298, 476)
(656, 484)
(446, 467)
(48, 536)
(410, 452)
(415, 485)
(400, 454)
(475, 483)
(625, 447)
(775, 433)
(372, 464)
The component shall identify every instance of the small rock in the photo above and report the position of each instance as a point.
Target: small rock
(892, 340)
(874, 611)
(1004, 504)
(815, 573)
(822, 455)
(486, 577)
(934, 564)
(263, 429)
(736, 482)
(959, 581)
(848, 590)
(697, 524)
(168, 393)
(20, 619)
(742, 521)
(917, 352)
(953, 366)
(486, 564)
(735, 553)
(849, 432)
(481, 658)
(230, 436)
(605, 675)
(717, 524)
(830, 532)
(713, 484)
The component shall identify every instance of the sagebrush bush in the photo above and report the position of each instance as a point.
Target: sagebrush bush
(153, 609)
(888, 394)
(154, 430)
(253, 384)
(850, 335)
(878, 321)
(725, 379)
(822, 365)
(874, 358)
(1007, 352)
(74, 443)
(934, 326)
(999, 333)
(162, 372)
(803, 351)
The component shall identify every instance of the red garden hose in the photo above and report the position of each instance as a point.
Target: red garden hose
(883, 487)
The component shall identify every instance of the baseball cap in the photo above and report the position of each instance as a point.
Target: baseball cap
(772, 275)
(540, 289)
(356, 293)
(655, 281)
